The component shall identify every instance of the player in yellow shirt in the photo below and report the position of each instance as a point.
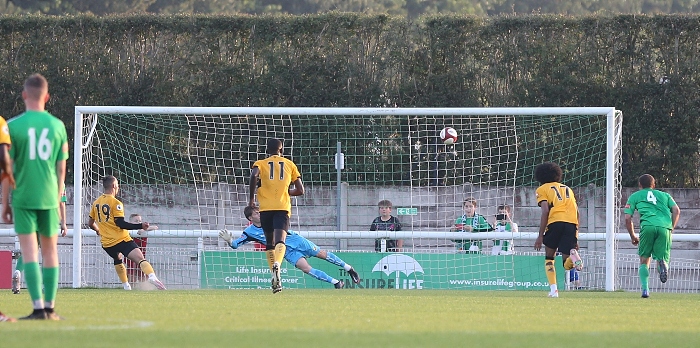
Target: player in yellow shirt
(6, 165)
(271, 178)
(558, 222)
(107, 219)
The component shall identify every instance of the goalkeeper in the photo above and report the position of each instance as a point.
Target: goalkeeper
(298, 249)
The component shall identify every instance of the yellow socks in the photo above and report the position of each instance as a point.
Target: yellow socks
(568, 264)
(275, 255)
(270, 256)
(280, 249)
(121, 272)
(550, 271)
(146, 268)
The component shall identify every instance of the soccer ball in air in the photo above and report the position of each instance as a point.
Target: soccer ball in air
(448, 135)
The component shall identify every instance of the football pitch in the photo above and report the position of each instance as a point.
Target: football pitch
(355, 318)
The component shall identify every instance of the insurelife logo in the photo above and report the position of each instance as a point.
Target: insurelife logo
(395, 265)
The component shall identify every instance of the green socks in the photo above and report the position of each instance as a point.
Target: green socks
(32, 277)
(50, 284)
(37, 278)
(20, 264)
(644, 276)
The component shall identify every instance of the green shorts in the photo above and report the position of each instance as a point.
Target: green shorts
(655, 241)
(43, 222)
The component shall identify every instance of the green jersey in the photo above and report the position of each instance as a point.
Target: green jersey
(37, 145)
(477, 222)
(501, 226)
(654, 208)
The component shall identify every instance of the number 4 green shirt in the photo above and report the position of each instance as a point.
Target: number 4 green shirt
(37, 145)
(654, 207)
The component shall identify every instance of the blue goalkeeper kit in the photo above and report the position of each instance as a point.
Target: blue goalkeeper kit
(297, 246)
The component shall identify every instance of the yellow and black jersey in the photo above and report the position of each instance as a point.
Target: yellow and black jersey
(4, 132)
(104, 211)
(561, 200)
(276, 174)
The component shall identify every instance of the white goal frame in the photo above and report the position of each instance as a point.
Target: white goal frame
(614, 141)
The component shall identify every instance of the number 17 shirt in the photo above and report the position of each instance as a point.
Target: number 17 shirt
(561, 200)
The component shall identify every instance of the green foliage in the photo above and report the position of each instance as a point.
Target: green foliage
(354, 60)
(409, 8)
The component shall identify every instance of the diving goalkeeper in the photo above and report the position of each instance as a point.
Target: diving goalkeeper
(298, 249)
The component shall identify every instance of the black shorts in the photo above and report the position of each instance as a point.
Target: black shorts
(271, 220)
(562, 236)
(122, 247)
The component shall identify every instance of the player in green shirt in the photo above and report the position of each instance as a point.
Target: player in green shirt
(39, 151)
(658, 215)
(17, 254)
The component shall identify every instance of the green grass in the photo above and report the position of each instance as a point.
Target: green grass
(357, 318)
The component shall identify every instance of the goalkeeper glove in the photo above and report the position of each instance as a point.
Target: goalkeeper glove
(227, 236)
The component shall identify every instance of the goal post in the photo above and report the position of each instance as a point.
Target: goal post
(186, 168)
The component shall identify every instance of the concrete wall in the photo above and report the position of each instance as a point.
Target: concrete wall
(219, 206)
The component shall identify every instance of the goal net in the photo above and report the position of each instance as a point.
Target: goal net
(187, 171)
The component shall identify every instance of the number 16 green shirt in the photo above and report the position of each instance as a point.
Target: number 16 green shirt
(37, 145)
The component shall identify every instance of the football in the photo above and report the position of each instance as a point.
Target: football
(448, 135)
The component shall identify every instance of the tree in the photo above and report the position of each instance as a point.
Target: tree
(410, 8)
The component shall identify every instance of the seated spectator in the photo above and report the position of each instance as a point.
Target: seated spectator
(504, 223)
(470, 222)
